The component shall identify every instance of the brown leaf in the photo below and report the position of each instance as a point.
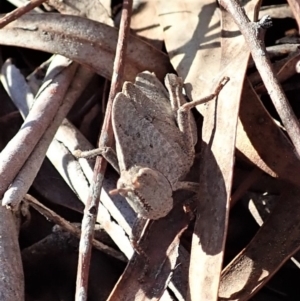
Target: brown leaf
(91, 9)
(192, 38)
(145, 23)
(276, 241)
(262, 142)
(191, 31)
(88, 42)
(219, 131)
(148, 281)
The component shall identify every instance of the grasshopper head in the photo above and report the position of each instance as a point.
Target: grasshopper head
(147, 190)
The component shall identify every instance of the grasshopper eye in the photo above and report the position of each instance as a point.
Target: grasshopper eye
(135, 182)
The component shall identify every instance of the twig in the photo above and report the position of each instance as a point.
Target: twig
(17, 89)
(276, 52)
(111, 207)
(27, 174)
(16, 152)
(11, 270)
(252, 34)
(105, 140)
(55, 218)
(20, 11)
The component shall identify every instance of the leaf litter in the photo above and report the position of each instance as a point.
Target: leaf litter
(199, 251)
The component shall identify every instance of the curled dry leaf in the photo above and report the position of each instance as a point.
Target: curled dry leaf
(88, 42)
(195, 23)
(90, 9)
(148, 281)
(262, 142)
(272, 246)
(219, 137)
(199, 66)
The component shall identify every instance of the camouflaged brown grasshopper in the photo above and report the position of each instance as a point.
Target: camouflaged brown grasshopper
(155, 135)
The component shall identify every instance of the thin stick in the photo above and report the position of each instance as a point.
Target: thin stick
(20, 11)
(105, 140)
(252, 34)
(41, 115)
(11, 270)
(64, 224)
(28, 172)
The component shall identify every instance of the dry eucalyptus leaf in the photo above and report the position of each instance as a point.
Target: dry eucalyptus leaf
(262, 142)
(219, 131)
(91, 9)
(276, 241)
(88, 42)
(145, 23)
(192, 38)
(148, 281)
